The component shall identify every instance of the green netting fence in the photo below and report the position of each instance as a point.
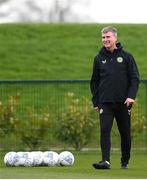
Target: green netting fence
(32, 112)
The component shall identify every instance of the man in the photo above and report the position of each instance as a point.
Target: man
(114, 85)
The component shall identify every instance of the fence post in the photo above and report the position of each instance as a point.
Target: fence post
(146, 98)
(146, 109)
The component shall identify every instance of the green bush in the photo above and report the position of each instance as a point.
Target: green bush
(33, 130)
(76, 123)
(8, 119)
(137, 120)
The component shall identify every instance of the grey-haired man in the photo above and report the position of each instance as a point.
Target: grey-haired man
(114, 85)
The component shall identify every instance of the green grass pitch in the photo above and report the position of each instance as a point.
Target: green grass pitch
(82, 169)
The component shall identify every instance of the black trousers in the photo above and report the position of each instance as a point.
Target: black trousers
(122, 114)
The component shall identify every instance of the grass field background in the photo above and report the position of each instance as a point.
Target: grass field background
(82, 169)
(62, 51)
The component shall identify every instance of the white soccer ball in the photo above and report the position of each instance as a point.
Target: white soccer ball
(66, 158)
(37, 158)
(27, 159)
(50, 158)
(20, 161)
(10, 158)
(24, 159)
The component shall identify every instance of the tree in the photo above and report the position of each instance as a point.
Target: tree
(60, 10)
(3, 1)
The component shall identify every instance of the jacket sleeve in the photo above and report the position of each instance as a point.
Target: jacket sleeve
(133, 78)
(94, 83)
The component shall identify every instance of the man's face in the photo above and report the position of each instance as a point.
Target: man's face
(109, 40)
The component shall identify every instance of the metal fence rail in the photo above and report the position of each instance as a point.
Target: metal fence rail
(37, 100)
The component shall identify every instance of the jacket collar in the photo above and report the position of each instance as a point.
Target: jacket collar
(106, 52)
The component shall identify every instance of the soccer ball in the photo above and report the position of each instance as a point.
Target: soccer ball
(27, 159)
(20, 161)
(10, 158)
(24, 159)
(37, 158)
(50, 158)
(66, 158)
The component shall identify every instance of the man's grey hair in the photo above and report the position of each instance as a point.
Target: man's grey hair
(109, 29)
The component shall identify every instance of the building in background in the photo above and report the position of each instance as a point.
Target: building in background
(83, 11)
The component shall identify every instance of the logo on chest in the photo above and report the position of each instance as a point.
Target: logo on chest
(119, 59)
(104, 61)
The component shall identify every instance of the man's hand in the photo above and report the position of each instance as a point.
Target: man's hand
(129, 102)
(96, 109)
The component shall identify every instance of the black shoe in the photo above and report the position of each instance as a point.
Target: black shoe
(101, 165)
(124, 165)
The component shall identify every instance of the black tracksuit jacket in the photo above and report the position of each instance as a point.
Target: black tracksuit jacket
(115, 76)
